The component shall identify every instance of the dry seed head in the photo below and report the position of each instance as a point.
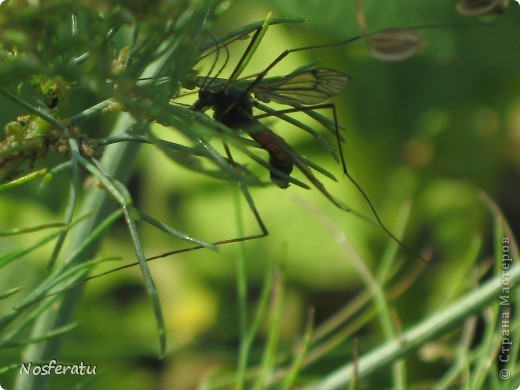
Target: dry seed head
(482, 7)
(395, 45)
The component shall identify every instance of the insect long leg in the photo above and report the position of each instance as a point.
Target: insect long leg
(283, 147)
(320, 186)
(228, 154)
(232, 106)
(263, 233)
(329, 106)
(244, 55)
(260, 76)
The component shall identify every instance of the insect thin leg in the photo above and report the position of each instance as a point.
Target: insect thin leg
(252, 42)
(263, 233)
(228, 154)
(365, 196)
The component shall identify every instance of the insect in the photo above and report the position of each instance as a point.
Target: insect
(305, 90)
(234, 107)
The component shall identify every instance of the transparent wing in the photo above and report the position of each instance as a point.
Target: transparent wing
(309, 87)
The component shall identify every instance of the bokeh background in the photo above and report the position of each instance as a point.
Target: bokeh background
(432, 133)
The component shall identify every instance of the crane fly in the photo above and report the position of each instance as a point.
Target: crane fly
(305, 90)
(232, 102)
(234, 108)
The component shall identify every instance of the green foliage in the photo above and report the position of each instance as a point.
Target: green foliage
(93, 92)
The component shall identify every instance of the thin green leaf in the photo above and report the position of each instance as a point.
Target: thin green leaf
(22, 180)
(239, 32)
(273, 337)
(50, 335)
(71, 202)
(316, 134)
(433, 326)
(11, 292)
(150, 285)
(176, 233)
(299, 357)
(32, 229)
(19, 253)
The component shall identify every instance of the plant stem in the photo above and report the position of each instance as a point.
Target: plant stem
(421, 333)
(116, 160)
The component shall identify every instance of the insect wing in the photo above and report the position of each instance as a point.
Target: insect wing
(309, 87)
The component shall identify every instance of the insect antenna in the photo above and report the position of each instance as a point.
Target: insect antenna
(209, 81)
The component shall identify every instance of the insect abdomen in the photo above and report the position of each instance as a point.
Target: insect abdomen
(278, 158)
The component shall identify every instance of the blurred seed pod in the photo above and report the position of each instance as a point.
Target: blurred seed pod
(392, 44)
(482, 7)
(395, 45)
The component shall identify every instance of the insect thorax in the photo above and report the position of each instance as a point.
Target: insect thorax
(233, 108)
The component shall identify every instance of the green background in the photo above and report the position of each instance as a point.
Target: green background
(432, 132)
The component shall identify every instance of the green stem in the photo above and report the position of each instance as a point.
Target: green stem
(421, 333)
(116, 160)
